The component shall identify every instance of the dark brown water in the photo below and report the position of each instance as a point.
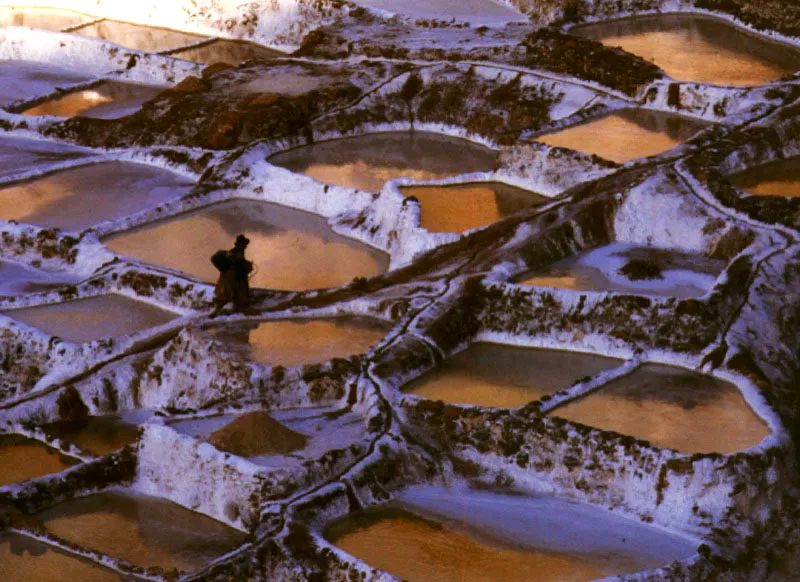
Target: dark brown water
(99, 435)
(22, 459)
(300, 342)
(23, 80)
(367, 162)
(467, 206)
(82, 197)
(24, 560)
(108, 100)
(92, 319)
(627, 134)
(45, 18)
(232, 52)
(143, 38)
(780, 178)
(505, 376)
(143, 530)
(674, 408)
(291, 249)
(698, 48)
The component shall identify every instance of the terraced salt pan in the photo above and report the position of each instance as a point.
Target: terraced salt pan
(16, 279)
(108, 100)
(284, 80)
(143, 530)
(367, 162)
(227, 51)
(95, 318)
(476, 12)
(24, 80)
(19, 155)
(674, 408)
(626, 135)
(300, 342)
(22, 459)
(99, 435)
(780, 178)
(83, 197)
(23, 559)
(463, 207)
(505, 376)
(434, 533)
(143, 38)
(691, 47)
(682, 275)
(45, 18)
(291, 249)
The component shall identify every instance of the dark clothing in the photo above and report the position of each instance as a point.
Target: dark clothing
(233, 284)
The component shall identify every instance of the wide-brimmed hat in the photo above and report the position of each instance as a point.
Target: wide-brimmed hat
(241, 240)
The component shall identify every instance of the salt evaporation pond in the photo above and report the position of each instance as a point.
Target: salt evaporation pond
(227, 51)
(681, 275)
(692, 47)
(674, 408)
(16, 279)
(779, 178)
(505, 376)
(19, 154)
(23, 559)
(23, 458)
(98, 435)
(91, 319)
(141, 38)
(477, 12)
(627, 134)
(462, 207)
(366, 162)
(82, 197)
(299, 342)
(142, 530)
(24, 80)
(434, 533)
(108, 100)
(45, 18)
(291, 249)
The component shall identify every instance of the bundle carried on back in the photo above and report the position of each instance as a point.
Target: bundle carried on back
(221, 260)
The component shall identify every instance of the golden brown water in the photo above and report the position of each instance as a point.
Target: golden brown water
(291, 249)
(780, 178)
(674, 408)
(698, 48)
(143, 38)
(367, 162)
(95, 318)
(467, 206)
(300, 342)
(82, 197)
(414, 549)
(99, 435)
(505, 376)
(108, 100)
(45, 18)
(24, 560)
(22, 459)
(227, 51)
(143, 530)
(626, 135)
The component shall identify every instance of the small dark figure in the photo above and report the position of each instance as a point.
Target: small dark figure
(233, 284)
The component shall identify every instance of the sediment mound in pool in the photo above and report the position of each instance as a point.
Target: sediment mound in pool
(257, 433)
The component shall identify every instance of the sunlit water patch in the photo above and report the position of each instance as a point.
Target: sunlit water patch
(227, 51)
(23, 559)
(505, 376)
(367, 162)
(44, 18)
(142, 38)
(779, 178)
(94, 318)
(24, 80)
(467, 206)
(82, 197)
(674, 408)
(22, 459)
(434, 533)
(108, 100)
(627, 268)
(691, 47)
(143, 530)
(299, 342)
(16, 279)
(99, 435)
(291, 249)
(20, 155)
(627, 134)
